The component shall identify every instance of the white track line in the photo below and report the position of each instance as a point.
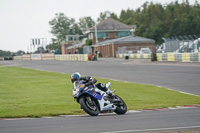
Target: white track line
(157, 129)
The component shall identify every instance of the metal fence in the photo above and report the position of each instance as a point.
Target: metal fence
(181, 44)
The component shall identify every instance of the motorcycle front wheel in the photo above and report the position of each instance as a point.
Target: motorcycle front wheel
(121, 106)
(89, 105)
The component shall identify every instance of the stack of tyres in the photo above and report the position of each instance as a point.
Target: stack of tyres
(170, 57)
(164, 57)
(199, 57)
(159, 56)
(145, 56)
(186, 57)
(85, 57)
(138, 56)
(178, 57)
(131, 56)
(194, 57)
(120, 55)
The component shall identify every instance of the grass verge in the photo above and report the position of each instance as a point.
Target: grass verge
(33, 93)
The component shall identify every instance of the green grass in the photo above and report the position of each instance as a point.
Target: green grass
(32, 93)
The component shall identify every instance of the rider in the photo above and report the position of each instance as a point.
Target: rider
(89, 81)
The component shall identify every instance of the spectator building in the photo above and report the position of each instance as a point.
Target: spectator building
(109, 37)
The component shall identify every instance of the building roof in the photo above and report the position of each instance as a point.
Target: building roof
(112, 24)
(127, 39)
(77, 45)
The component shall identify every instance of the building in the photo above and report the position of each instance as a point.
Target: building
(112, 36)
(128, 44)
(110, 29)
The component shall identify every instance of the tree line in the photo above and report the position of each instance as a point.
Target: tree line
(9, 54)
(156, 20)
(153, 20)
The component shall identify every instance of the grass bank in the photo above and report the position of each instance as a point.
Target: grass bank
(32, 93)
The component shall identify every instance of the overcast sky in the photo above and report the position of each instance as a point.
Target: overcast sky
(21, 20)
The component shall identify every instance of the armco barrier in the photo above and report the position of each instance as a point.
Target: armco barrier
(178, 57)
(36, 57)
(48, 56)
(17, 57)
(26, 57)
(135, 56)
(51, 56)
(72, 57)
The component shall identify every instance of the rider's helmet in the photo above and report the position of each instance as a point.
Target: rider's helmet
(75, 76)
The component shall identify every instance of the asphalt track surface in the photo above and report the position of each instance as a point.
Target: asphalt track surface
(180, 77)
(145, 121)
(183, 77)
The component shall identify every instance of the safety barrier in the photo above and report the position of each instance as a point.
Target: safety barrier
(17, 58)
(36, 57)
(179, 57)
(51, 56)
(48, 56)
(26, 57)
(72, 57)
(135, 56)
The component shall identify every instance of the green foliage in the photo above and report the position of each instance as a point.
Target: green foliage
(54, 46)
(5, 53)
(33, 93)
(19, 52)
(39, 50)
(153, 57)
(61, 26)
(85, 23)
(88, 42)
(9, 54)
(102, 16)
(156, 21)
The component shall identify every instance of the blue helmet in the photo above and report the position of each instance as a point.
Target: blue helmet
(75, 76)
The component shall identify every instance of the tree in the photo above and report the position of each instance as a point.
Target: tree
(102, 16)
(85, 23)
(156, 21)
(39, 50)
(5, 53)
(19, 52)
(61, 26)
(54, 46)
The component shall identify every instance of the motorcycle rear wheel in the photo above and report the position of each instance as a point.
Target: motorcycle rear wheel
(121, 106)
(89, 105)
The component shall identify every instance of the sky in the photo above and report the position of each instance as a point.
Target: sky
(22, 20)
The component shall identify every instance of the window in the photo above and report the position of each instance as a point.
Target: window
(70, 38)
(91, 35)
(102, 34)
(122, 33)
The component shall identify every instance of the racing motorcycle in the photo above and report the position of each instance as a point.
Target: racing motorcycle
(94, 101)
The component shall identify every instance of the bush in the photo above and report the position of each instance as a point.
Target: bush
(88, 42)
(153, 57)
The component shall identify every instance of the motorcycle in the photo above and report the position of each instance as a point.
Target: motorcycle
(94, 101)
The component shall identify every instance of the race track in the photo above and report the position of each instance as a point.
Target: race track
(180, 77)
(176, 76)
(145, 121)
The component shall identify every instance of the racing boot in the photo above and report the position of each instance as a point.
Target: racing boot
(109, 92)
